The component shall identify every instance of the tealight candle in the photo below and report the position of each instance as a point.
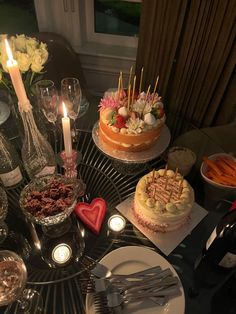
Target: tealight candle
(116, 223)
(61, 253)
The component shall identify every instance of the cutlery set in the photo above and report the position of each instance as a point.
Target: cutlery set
(111, 292)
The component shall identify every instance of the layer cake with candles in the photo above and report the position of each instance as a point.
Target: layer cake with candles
(163, 200)
(131, 122)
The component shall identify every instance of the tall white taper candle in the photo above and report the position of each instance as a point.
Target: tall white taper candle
(66, 132)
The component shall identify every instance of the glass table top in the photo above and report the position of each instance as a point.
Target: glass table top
(62, 287)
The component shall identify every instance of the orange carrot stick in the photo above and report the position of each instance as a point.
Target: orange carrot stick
(230, 162)
(212, 166)
(225, 168)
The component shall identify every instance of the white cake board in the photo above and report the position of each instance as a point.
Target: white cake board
(167, 241)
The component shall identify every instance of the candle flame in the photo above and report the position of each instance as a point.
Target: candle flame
(8, 51)
(64, 109)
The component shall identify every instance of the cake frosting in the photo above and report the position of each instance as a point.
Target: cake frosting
(163, 200)
(130, 126)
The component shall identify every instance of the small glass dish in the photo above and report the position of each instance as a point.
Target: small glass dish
(3, 204)
(52, 198)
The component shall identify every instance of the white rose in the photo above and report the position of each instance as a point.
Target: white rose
(3, 61)
(2, 43)
(44, 54)
(31, 46)
(30, 50)
(19, 42)
(23, 61)
(32, 42)
(37, 62)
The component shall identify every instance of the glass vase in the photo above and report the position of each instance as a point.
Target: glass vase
(37, 154)
(18, 119)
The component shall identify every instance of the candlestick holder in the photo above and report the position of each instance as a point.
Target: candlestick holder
(70, 166)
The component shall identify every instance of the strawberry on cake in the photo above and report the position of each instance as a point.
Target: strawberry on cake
(163, 200)
(130, 123)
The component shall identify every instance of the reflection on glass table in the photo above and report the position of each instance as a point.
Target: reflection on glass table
(13, 276)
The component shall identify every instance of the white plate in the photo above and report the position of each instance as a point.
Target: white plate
(130, 259)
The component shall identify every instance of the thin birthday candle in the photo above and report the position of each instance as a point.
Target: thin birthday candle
(133, 91)
(121, 81)
(141, 81)
(129, 88)
(153, 175)
(155, 87)
(147, 94)
(130, 74)
(118, 89)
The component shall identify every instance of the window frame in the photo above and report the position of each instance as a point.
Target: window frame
(101, 38)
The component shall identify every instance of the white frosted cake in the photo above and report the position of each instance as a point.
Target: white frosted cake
(163, 200)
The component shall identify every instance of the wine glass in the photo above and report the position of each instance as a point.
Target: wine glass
(13, 277)
(48, 99)
(71, 95)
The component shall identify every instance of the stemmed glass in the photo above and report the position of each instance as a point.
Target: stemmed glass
(71, 95)
(13, 277)
(48, 101)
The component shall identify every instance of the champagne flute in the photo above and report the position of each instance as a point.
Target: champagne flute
(71, 95)
(13, 277)
(48, 101)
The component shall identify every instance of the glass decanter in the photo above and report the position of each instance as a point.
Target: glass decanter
(37, 154)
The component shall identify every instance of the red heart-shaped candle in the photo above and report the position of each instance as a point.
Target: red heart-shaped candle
(92, 214)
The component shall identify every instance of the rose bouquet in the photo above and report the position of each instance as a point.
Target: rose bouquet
(31, 56)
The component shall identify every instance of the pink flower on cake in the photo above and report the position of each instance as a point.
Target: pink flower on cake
(108, 102)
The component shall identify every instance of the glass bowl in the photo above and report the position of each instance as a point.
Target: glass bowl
(3, 204)
(51, 199)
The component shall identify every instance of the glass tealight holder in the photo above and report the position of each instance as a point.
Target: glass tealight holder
(116, 224)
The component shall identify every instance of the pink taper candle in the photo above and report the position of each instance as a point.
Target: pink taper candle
(16, 79)
(66, 132)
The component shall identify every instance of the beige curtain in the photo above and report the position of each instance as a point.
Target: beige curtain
(190, 44)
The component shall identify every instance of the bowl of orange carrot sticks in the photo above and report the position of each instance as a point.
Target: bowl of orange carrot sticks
(219, 170)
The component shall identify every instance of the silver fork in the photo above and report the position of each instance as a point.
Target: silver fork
(101, 271)
(115, 299)
(100, 303)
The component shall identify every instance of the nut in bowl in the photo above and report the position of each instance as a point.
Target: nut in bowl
(219, 170)
(51, 199)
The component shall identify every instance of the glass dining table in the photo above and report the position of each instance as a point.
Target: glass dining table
(63, 288)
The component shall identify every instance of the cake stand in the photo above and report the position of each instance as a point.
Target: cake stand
(130, 162)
